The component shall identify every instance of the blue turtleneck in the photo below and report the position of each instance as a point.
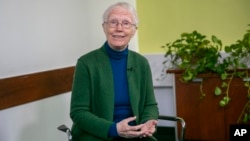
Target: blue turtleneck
(122, 107)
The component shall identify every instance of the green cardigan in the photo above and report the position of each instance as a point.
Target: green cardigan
(92, 101)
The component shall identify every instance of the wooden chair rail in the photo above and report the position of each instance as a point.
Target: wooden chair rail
(31, 87)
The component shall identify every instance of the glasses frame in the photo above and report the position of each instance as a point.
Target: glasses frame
(124, 24)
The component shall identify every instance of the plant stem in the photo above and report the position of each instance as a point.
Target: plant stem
(229, 82)
(243, 111)
(201, 89)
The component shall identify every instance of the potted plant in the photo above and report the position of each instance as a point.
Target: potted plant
(194, 54)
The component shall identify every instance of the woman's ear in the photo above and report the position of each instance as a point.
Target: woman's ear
(134, 30)
(103, 27)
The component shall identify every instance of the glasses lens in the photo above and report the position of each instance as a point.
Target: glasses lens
(126, 24)
(115, 23)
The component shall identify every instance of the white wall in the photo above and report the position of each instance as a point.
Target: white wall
(38, 35)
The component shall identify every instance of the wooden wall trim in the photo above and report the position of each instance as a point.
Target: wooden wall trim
(31, 87)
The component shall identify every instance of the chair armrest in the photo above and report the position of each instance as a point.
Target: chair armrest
(65, 129)
(177, 119)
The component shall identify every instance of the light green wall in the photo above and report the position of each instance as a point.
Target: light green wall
(162, 21)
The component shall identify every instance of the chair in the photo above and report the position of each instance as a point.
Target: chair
(65, 129)
(178, 120)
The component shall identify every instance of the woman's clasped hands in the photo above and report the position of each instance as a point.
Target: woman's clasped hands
(139, 131)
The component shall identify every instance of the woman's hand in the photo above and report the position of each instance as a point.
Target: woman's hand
(143, 130)
(149, 128)
(127, 131)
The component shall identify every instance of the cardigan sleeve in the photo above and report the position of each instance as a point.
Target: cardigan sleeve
(150, 109)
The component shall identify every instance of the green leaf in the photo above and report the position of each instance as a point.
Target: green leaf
(217, 91)
(223, 103)
(224, 76)
(245, 119)
(187, 77)
(246, 84)
(227, 49)
(226, 99)
(224, 85)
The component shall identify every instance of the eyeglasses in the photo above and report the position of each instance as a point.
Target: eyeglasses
(115, 23)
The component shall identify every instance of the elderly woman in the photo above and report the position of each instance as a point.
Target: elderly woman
(112, 94)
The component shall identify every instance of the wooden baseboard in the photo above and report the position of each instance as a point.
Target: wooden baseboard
(31, 87)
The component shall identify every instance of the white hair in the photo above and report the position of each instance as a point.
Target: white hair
(125, 5)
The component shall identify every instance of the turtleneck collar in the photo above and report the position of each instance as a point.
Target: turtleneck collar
(113, 54)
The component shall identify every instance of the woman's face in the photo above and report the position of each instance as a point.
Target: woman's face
(119, 28)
